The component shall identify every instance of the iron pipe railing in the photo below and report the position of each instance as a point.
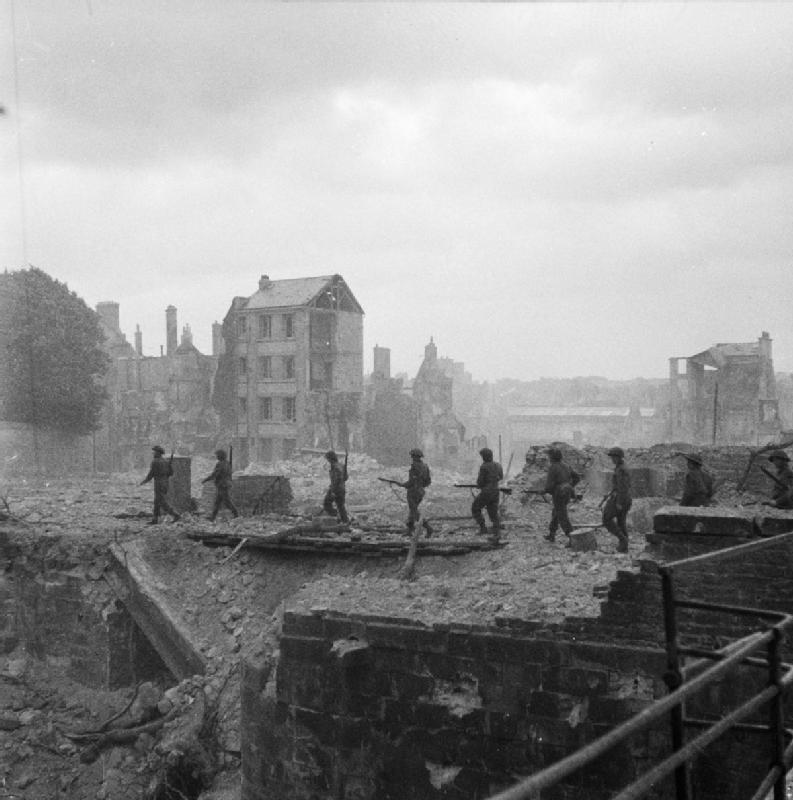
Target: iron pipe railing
(575, 761)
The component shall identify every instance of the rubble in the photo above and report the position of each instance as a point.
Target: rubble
(222, 597)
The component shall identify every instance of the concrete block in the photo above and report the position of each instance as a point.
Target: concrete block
(703, 521)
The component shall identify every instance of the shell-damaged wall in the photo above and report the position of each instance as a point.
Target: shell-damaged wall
(376, 708)
(369, 707)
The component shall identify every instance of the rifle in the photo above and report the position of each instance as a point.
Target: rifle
(504, 489)
(774, 478)
(170, 462)
(389, 480)
(605, 497)
(346, 454)
(231, 458)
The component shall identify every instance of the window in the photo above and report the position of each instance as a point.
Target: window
(265, 326)
(289, 326)
(289, 447)
(243, 406)
(265, 450)
(289, 409)
(265, 408)
(265, 367)
(243, 366)
(242, 326)
(289, 367)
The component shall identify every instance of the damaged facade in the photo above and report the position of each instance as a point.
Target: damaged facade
(165, 399)
(440, 432)
(292, 373)
(727, 395)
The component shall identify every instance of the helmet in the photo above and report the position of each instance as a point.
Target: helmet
(616, 451)
(331, 455)
(416, 453)
(554, 453)
(486, 453)
(694, 458)
(778, 454)
(221, 454)
(158, 449)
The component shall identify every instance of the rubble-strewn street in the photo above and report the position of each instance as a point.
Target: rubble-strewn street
(230, 601)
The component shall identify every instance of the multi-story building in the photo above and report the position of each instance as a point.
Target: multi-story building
(294, 363)
(727, 395)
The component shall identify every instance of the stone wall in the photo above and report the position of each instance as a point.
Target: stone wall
(55, 604)
(365, 707)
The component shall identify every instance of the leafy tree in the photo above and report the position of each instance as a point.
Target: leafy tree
(54, 357)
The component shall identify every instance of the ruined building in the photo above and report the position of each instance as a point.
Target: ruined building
(391, 421)
(441, 434)
(292, 372)
(166, 399)
(726, 395)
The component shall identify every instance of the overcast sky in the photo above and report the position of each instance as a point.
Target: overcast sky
(546, 189)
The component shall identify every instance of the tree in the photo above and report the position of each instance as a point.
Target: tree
(54, 357)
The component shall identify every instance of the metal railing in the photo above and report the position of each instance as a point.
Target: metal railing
(685, 681)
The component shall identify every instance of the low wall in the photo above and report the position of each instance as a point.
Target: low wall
(366, 707)
(55, 604)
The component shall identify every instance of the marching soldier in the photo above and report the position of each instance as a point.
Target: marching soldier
(490, 473)
(160, 471)
(618, 501)
(337, 490)
(221, 475)
(698, 486)
(419, 479)
(559, 483)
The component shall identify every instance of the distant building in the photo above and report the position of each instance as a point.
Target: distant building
(391, 419)
(725, 395)
(291, 375)
(164, 399)
(441, 433)
(626, 426)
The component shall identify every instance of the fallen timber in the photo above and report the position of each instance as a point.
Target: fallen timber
(342, 543)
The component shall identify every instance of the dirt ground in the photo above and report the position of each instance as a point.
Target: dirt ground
(226, 602)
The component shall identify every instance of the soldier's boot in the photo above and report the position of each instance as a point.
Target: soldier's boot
(428, 531)
(410, 528)
(482, 529)
(550, 536)
(211, 517)
(153, 521)
(176, 517)
(622, 547)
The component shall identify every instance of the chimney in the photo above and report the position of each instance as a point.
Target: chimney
(264, 282)
(218, 345)
(108, 311)
(764, 343)
(170, 330)
(187, 335)
(138, 341)
(382, 362)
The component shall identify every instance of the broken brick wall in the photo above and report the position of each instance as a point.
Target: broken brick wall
(369, 707)
(56, 605)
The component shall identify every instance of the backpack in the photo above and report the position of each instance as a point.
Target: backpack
(426, 478)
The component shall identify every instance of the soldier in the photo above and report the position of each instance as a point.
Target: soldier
(160, 470)
(490, 473)
(337, 489)
(698, 487)
(559, 483)
(783, 491)
(221, 475)
(419, 479)
(618, 501)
